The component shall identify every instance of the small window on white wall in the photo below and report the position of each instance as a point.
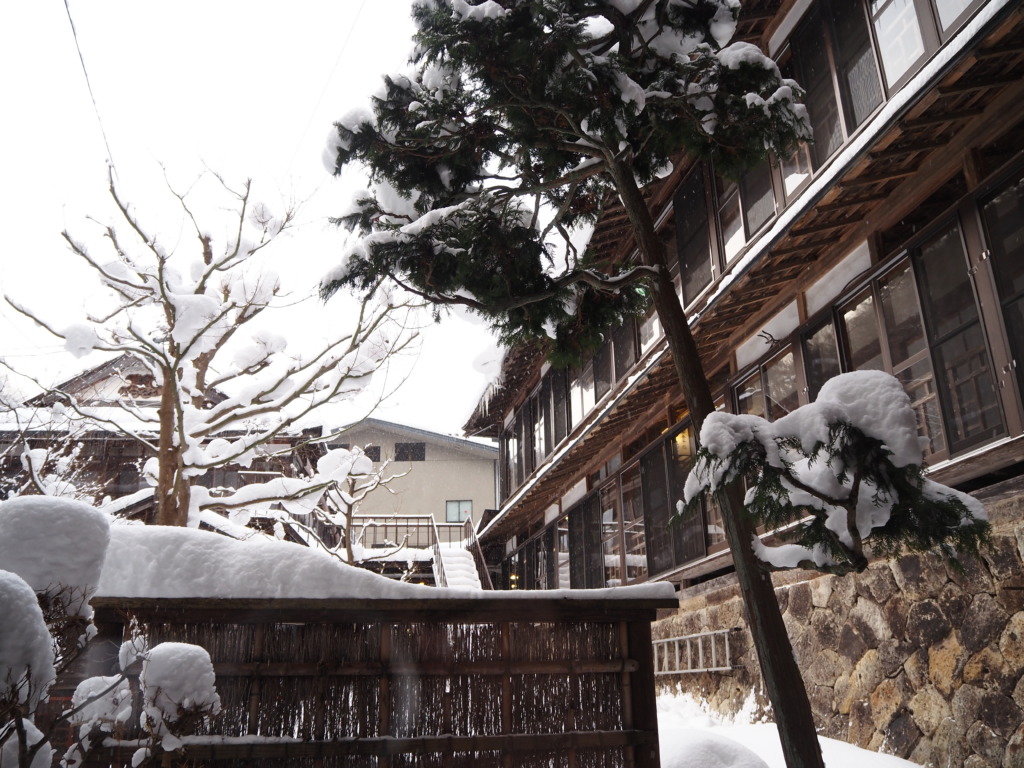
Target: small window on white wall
(458, 511)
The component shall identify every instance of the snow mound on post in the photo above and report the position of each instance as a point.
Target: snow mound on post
(53, 542)
(158, 561)
(178, 678)
(26, 650)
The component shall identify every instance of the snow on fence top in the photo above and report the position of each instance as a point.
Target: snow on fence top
(154, 561)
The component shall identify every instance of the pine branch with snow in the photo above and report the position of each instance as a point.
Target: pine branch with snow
(840, 479)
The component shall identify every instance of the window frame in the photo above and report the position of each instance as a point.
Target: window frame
(461, 515)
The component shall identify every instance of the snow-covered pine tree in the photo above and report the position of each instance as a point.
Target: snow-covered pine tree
(228, 385)
(517, 123)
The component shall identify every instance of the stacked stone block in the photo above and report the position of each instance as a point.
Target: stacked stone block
(911, 657)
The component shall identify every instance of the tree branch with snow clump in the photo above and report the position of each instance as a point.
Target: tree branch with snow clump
(841, 478)
(184, 314)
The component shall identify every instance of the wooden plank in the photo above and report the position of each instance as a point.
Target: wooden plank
(423, 668)
(844, 203)
(948, 117)
(995, 81)
(509, 745)
(486, 609)
(877, 178)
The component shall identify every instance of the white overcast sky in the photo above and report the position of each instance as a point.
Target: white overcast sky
(248, 88)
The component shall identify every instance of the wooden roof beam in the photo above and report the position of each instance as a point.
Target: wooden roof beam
(994, 81)
(877, 178)
(928, 120)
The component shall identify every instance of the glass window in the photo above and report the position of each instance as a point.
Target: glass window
(410, 451)
(855, 62)
(749, 396)
(959, 350)
(863, 348)
(905, 338)
(624, 340)
(899, 36)
(780, 385)
(691, 217)
(834, 38)
(1003, 216)
(563, 580)
(757, 197)
(730, 219)
(458, 511)
(950, 11)
(559, 405)
(691, 536)
(814, 72)
(611, 536)
(904, 328)
(821, 358)
(603, 370)
(796, 170)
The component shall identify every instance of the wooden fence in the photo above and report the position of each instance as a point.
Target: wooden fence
(501, 681)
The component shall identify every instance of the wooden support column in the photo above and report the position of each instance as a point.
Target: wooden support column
(254, 682)
(384, 690)
(643, 702)
(506, 689)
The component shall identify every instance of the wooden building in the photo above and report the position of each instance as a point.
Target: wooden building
(895, 241)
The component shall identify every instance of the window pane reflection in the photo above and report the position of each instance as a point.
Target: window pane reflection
(862, 344)
(899, 36)
(780, 386)
(821, 358)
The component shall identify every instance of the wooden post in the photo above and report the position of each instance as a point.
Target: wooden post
(643, 702)
(254, 682)
(384, 698)
(506, 688)
(626, 681)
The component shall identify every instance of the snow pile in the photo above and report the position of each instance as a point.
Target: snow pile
(26, 652)
(177, 680)
(157, 561)
(9, 749)
(690, 737)
(111, 704)
(54, 543)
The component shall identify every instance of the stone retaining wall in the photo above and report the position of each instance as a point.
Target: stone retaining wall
(910, 657)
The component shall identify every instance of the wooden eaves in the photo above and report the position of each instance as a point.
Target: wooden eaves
(963, 108)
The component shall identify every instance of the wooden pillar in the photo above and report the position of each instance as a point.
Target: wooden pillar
(642, 700)
(384, 696)
(506, 689)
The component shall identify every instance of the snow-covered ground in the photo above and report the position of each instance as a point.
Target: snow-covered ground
(692, 738)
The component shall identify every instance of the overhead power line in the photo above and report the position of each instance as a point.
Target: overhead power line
(88, 83)
(327, 83)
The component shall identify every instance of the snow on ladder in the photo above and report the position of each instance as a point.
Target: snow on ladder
(688, 654)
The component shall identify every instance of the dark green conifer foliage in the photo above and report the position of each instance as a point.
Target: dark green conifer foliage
(502, 136)
(923, 516)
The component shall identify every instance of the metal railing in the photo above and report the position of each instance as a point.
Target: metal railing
(689, 654)
(422, 532)
(472, 543)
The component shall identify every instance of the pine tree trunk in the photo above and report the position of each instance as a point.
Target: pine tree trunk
(781, 674)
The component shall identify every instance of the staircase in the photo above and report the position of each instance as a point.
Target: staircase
(460, 569)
